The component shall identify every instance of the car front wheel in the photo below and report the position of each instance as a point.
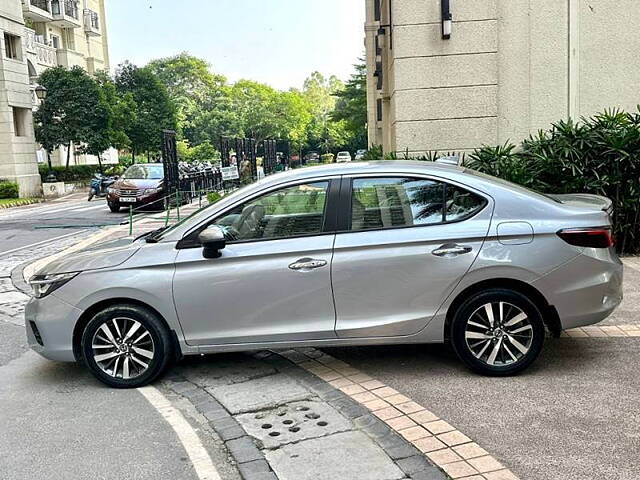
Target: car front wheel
(114, 207)
(126, 346)
(498, 332)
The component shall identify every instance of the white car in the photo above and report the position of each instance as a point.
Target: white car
(360, 154)
(343, 157)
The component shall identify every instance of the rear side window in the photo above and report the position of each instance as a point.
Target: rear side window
(395, 202)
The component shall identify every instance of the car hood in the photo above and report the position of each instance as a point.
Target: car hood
(103, 255)
(131, 184)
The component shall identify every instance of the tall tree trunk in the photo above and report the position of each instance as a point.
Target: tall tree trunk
(68, 153)
(100, 163)
(133, 156)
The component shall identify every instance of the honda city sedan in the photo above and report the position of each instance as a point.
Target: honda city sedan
(141, 184)
(344, 254)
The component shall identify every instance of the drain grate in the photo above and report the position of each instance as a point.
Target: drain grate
(293, 422)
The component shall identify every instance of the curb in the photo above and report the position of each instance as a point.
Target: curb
(21, 203)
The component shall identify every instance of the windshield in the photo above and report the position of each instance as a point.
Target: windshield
(144, 172)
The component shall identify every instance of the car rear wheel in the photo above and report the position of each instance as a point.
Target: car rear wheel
(498, 332)
(126, 346)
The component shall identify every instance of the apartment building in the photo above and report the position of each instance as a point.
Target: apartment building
(451, 75)
(36, 35)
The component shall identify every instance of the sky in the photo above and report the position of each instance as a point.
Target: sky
(278, 42)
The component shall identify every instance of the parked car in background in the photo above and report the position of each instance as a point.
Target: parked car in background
(312, 157)
(360, 155)
(141, 184)
(355, 254)
(343, 157)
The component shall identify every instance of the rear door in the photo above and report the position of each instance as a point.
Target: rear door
(406, 242)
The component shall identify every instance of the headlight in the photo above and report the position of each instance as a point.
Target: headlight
(43, 285)
(150, 191)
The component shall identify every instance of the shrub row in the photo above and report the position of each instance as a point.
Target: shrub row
(8, 189)
(79, 173)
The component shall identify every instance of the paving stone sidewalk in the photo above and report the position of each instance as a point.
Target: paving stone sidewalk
(279, 421)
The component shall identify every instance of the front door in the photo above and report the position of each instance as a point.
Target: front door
(272, 281)
(409, 241)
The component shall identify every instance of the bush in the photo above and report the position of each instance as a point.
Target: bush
(213, 197)
(8, 189)
(327, 158)
(598, 155)
(79, 173)
(374, 153)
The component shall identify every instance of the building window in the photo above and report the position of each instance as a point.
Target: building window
(20, 121)
(55, 41)
(12, 46)
(377, 10)
(379, 109)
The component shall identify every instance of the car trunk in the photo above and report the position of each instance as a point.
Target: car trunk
(585, 200)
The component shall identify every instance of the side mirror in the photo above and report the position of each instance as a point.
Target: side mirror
(213, 240)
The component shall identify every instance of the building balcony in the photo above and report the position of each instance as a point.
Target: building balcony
(37, 10)
(65, 14)
(70, 58)
(38, 52)
(91, 23)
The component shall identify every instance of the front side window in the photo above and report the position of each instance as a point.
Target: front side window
(289, 212)
(396, 202)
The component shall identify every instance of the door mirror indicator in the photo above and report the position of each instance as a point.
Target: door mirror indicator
(212, 240)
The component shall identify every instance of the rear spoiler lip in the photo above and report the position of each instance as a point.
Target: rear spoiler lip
(607, 207)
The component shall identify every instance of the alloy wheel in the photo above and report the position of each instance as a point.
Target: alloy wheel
(123, 348)
(499, 334)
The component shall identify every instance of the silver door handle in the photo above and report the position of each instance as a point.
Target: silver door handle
(451, 250)
(307, 264)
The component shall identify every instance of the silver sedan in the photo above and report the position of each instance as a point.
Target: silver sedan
(349, 254)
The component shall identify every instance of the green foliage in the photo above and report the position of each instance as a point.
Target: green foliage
(8, 189)
(374, 153)
(213, 197)
(599, 155)
(327, 157)
(75, 110)
(203, 152)
(351, 107)
(154, 109)
(80, 173)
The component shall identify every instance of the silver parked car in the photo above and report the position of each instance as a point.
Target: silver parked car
(350, 254)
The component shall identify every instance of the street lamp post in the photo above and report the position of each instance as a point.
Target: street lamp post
(41, 93)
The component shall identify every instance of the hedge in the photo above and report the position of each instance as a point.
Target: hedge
(599, 155)
(8, 189)
(79, 173)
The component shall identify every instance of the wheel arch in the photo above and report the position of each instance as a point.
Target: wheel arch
(90, 312)
(549, 313)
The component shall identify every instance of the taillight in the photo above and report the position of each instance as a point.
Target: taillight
(596, 237)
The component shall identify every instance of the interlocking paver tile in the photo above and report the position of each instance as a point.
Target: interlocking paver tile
(500, 475)
(352, 389)
(442, 457)
(437, 427)
(414, 433)
(387, 413)
(470, 450)
(340, 382)
(409, 407)
(385, 392)
(424, 416)
(363, 397)
(454, 438)
(400, 423)
(429, 444)
(372, 384)
(485, 464)
(397, 399)
(459, 469)
(359, 377)
(376, 404)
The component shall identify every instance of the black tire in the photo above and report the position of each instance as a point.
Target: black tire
(160, 345)
(514, 304)
(114, 207)
(92, 193)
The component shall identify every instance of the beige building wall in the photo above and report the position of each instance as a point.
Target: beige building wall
(511, 67)
(17, 142)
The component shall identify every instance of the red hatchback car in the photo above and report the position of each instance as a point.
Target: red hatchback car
(141, 184)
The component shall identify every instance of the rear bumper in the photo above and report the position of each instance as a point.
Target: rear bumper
(54, 321)
(586, 290)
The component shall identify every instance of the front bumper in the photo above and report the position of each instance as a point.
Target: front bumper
(54, 321)
(586, 290)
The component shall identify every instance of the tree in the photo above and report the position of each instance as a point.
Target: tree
(74, 110)
(351, 106)
(194, 90)
(155, 111)
(320, 94)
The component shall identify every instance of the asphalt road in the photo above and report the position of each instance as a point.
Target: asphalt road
(573, 415)
(25, 225)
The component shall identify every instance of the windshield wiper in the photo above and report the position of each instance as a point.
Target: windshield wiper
(152, 236)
